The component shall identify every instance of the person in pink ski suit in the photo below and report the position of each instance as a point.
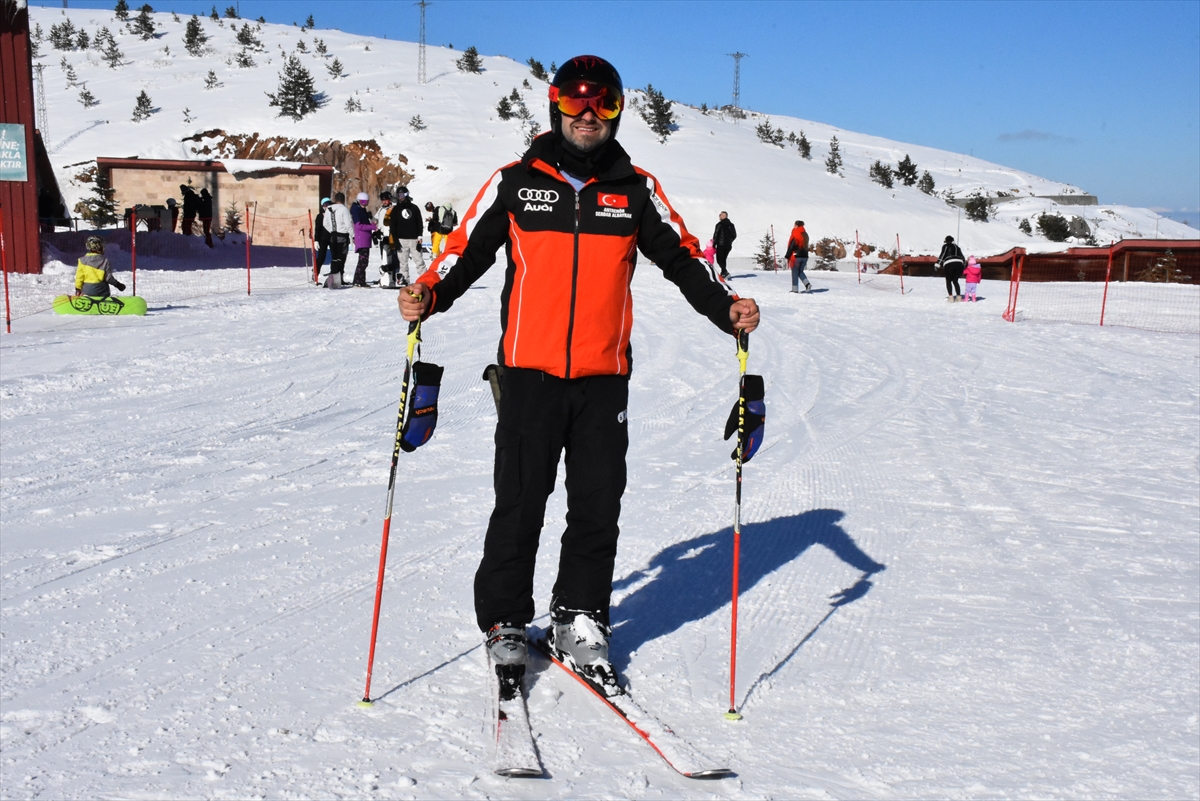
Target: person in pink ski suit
(972, 275)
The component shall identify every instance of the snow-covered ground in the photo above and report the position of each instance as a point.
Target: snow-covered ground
(708, 165)
(192, 505)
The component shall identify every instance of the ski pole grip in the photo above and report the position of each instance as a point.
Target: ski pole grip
(744, 341)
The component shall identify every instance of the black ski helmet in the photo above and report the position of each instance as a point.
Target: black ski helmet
(588, 69)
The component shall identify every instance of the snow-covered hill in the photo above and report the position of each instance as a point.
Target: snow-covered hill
(710, 163)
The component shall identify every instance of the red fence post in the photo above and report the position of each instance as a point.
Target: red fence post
(1107, 275)
(248, 229)
(133, 245)
(1014, 288)
(900, 260)
(4, 269)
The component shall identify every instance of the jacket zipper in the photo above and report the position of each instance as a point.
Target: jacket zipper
(574, 281)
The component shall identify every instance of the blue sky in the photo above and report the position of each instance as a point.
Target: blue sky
(1103, 95)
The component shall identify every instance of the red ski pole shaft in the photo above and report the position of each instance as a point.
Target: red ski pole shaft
(414, 336)
(743, 353)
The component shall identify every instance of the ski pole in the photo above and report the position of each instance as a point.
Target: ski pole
(743, 353)
(414, 337)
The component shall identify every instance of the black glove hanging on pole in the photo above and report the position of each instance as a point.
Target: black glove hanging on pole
(752, 392)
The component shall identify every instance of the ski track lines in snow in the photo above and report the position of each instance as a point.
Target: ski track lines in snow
(968, 555)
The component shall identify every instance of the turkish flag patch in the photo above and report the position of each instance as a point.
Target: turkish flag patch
(613, 201)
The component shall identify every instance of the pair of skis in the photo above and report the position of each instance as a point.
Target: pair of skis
(516, 756)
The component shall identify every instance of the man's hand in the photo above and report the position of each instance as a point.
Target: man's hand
(744, 315)
(414, 301)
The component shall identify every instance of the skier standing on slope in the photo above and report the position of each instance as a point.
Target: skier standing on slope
(571, 214)
(341, 227)
(405, 233)
(723, 236)
(951, 260)
(364, 227)
(797, 256)
(321, 233)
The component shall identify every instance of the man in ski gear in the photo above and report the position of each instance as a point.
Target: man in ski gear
(445, 218)
(405, 234)
(797, 256)
(432, 227)
(191, 205)
(173, 207)
(341, 226)
(951, 260)
(94, 272)
(363, 228)
(205, 210)
(321, 233)
(571, 216)
(387, 269)
(723, 236)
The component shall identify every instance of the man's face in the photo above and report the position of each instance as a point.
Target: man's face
(587, 131)
(724, 216)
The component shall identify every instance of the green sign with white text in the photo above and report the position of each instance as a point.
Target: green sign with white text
(14, 166)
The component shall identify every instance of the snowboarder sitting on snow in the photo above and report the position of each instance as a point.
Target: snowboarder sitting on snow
(973, 273)
(951, 260)
(363, 226)
(565, 346)
(94, 273)
(405, 232)
(797, 256)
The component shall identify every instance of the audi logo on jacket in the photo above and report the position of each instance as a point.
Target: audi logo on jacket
(566, 307)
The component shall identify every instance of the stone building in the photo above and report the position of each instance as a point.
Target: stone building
(280, 193)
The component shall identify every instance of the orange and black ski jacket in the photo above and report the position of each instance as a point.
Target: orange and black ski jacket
(566, 307)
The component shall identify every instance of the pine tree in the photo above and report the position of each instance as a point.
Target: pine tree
(143, 26)
(144, 107)
(233, 217)
(804, 146)
(247, 39)
(187, 116)
(765, 257)
(122, 10)
(243, 59)
(231, 12)
(978, 207)
(72, 80)
(537, 70)
(926, 183)
(532, 129)
(87, 98)
(833, 164)
(906, 171)
(1054, 227)
(321, 48)
(1025, 226)
(470, 61)
(881, 174)
(335, 68)
(309, 23)
(504, 108)
(416, 124)
(210, 80)
(83, 41)
(353, 105)
(214, 15)
(112, 53)
(656, 111)
(35, 41)
(101, 208)
(769, 135)
(62, 35)
(194, 38)
(296, 97)
(303, 48)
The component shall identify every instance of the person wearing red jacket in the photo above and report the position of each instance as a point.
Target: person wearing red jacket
(571, 215)
(797, 256)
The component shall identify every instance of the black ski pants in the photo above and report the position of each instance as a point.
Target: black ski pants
(541, 417)
(722, 255)
(953, 273)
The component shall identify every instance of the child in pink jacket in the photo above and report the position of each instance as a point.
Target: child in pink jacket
(710, 253)
(972, 275)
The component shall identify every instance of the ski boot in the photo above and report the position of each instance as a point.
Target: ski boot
(507, 649)
(580, 641)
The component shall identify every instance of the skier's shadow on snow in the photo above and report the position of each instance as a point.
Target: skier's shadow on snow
(692, 579)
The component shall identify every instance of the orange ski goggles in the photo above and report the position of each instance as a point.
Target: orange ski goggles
(578, 96)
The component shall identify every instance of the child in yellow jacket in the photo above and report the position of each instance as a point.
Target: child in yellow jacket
(94, 273)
